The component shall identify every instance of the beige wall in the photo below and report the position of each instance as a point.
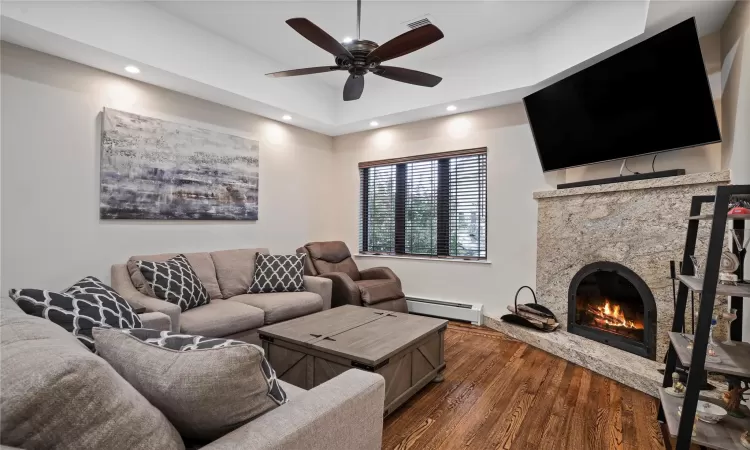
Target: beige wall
(513, 173)
(51, 232)
(735, 56)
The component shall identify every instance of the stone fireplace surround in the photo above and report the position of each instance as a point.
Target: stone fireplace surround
(639, 224)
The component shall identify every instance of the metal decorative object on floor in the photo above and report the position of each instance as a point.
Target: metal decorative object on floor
(531, 315)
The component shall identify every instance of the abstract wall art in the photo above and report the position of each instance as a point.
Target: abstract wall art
(155, 169)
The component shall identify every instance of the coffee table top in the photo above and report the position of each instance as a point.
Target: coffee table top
(366, 335)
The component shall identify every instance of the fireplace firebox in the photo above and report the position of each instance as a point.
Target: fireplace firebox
(609, 303)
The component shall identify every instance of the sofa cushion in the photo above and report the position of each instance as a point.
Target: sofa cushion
(278, 273)
(201, 263)
(332, 256)
(220, 318)
(57, 394)
(234, 269)
(87, 304)
(205, 386)
(175, 281)
(280, 306)
(376, 291)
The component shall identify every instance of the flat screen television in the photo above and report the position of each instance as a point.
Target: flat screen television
(651, 97)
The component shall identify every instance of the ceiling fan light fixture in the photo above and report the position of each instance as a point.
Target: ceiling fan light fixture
(347, 40)
(286, 117)
(374, 123)
(451, 108)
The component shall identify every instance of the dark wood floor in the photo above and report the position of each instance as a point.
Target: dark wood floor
(504, 394)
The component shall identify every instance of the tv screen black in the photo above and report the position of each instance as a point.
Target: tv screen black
(651, 97)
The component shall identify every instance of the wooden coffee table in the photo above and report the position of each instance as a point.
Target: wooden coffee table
(407, 350)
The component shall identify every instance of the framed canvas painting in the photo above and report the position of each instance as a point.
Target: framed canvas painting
(156, 169)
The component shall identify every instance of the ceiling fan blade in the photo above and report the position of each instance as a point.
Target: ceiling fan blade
(306, 71)
(408, 76)
(354, 87)
(317, 36)
(406, 43)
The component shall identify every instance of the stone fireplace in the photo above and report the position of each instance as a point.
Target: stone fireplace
(608, 246)
(602, 267)
(609, 303)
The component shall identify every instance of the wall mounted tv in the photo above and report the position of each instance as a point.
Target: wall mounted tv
(651, 97)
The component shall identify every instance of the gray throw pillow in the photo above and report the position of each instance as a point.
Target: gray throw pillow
(56, 394)
(206, 387)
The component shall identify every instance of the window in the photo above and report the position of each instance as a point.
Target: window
(434, 206)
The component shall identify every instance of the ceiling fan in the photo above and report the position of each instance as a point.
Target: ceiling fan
(360, 56)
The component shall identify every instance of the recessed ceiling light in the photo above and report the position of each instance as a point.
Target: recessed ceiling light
(451, 108)
(132, 69)
(286, 117)
(347, 40)
(373, 124)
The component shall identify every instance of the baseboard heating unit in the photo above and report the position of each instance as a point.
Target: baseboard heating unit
(466, 312)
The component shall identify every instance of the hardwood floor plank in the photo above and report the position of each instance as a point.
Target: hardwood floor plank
(577, 425)
(542, 409)
(552, 436)
(450, 425)
(476, 424)
(501, 393)
(614, 431)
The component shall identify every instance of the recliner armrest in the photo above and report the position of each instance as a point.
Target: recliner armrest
(379, 273)
(345, 291)
(122, 284)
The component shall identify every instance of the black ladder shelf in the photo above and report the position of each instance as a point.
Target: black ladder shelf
(726, 434)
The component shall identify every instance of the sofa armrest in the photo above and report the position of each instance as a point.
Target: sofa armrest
(379, 273)
(156, 321)
(343, 413)
(122, 284)
(322, 287)
(345, 291)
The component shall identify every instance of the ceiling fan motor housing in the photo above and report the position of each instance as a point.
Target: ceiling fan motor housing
(359, 49)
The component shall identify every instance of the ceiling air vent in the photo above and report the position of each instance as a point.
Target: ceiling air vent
(419, 22)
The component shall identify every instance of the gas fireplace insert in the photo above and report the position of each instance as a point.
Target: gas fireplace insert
(609, 303)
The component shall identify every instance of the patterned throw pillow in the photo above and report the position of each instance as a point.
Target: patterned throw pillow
(205, 386)
(85, 305)
(278, 273)
(175, 281)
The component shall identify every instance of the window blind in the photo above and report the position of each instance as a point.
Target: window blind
(434, 205)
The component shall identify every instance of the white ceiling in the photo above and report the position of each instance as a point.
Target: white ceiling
(260, 25)
(493, 53)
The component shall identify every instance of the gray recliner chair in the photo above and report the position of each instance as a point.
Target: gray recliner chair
(377, 287)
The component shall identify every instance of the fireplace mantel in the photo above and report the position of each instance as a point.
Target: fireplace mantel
(682, 180)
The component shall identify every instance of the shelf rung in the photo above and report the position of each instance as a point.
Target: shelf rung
(696, 284)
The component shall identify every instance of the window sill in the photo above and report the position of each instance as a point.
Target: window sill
(424, 258)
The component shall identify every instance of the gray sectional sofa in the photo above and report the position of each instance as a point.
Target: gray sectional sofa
(232, 313)
(58, 394)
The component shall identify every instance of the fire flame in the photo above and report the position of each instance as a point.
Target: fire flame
(612, 315)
